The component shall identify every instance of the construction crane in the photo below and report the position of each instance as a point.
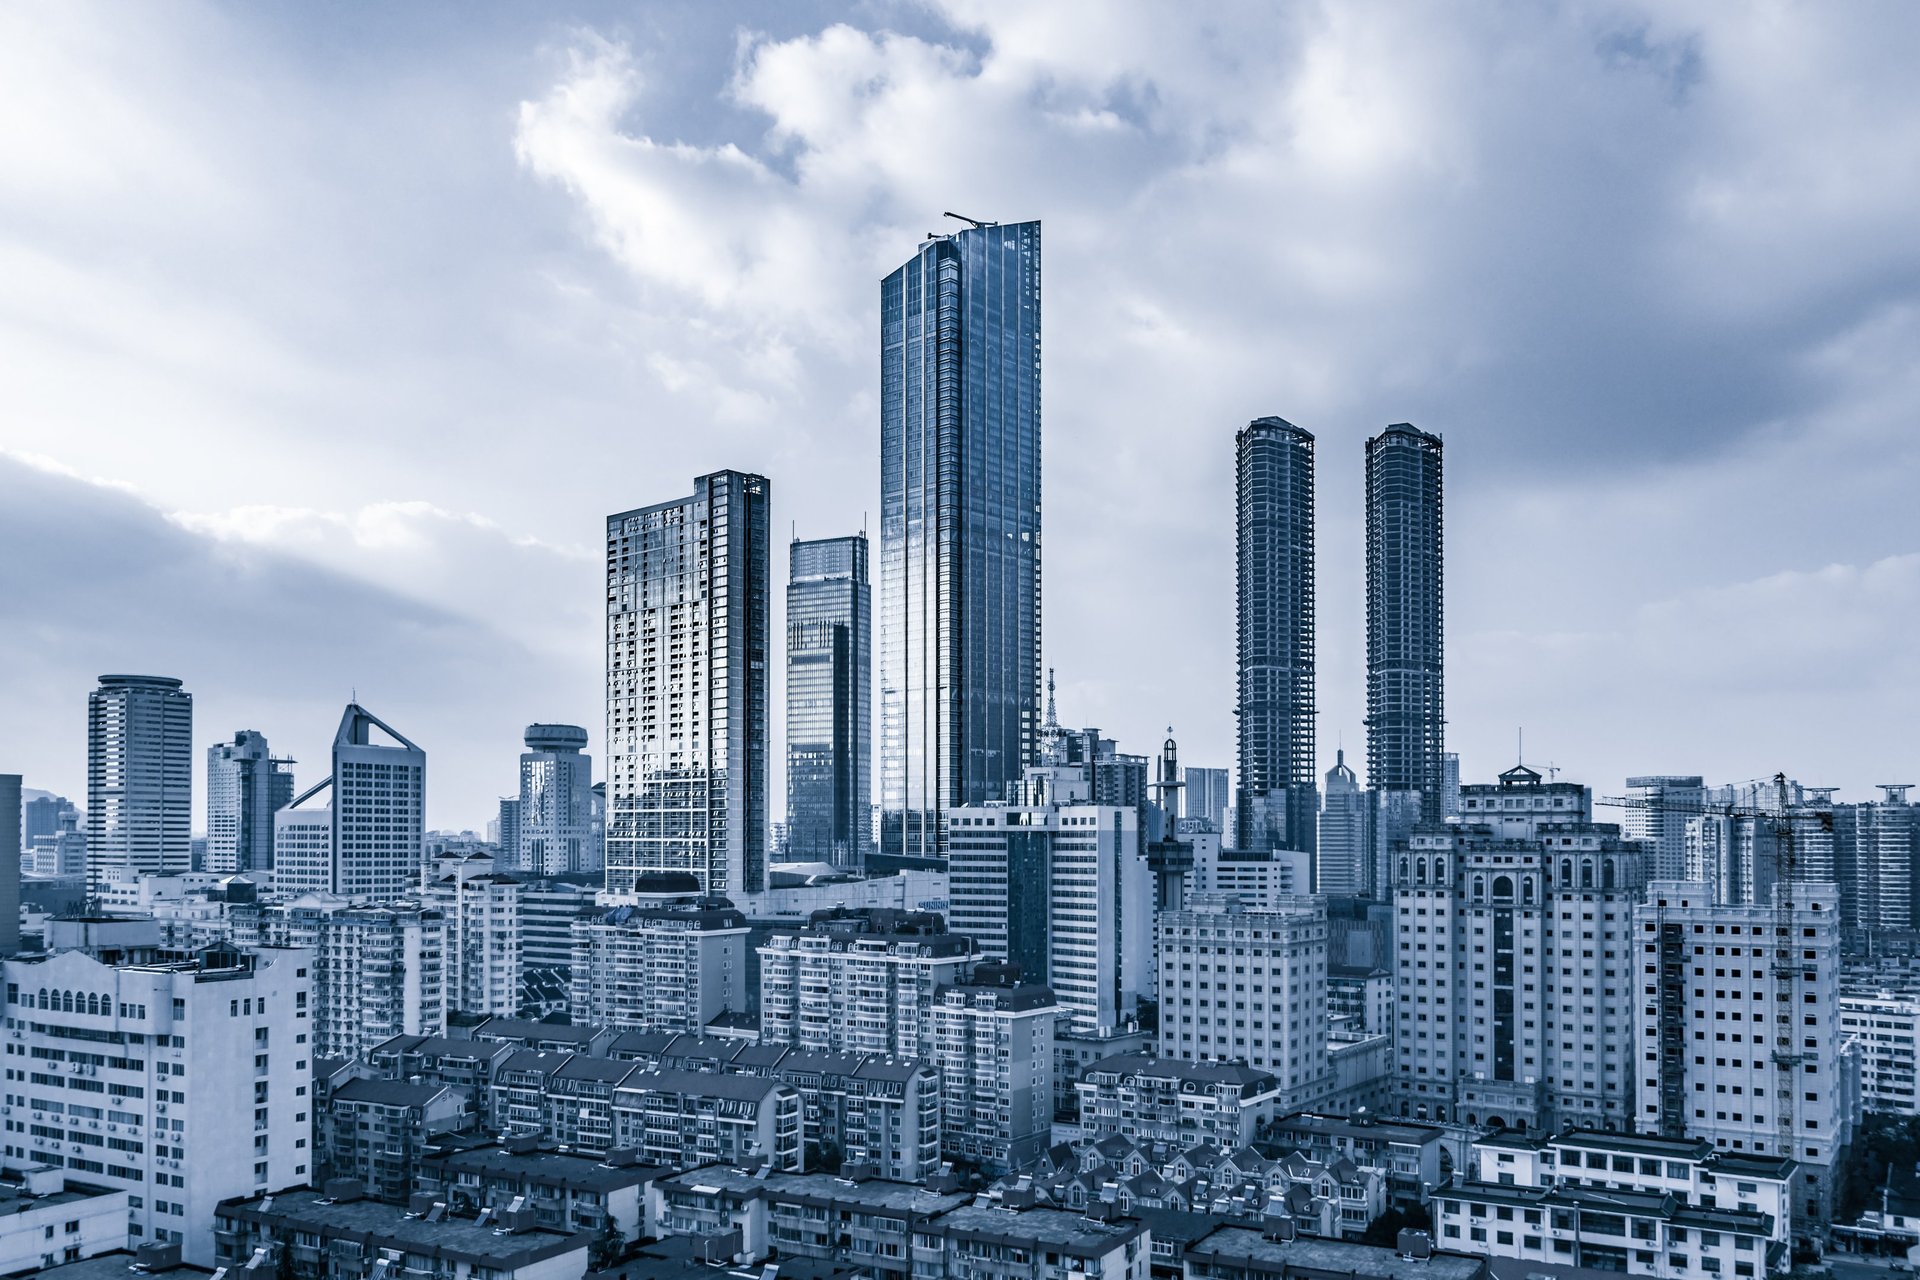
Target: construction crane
(1787, 968)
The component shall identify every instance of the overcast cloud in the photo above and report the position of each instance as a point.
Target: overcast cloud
(329, 336)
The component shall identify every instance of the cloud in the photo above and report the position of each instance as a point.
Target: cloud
(102, 581)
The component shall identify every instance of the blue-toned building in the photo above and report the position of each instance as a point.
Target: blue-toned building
(1276, 804)
(959, 531)
(829, 702)
(1406, 673)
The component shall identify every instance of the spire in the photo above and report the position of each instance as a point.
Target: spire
(1050, 753)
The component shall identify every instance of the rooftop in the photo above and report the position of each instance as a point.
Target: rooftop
(546, 1168)
(1054, 1228)
(1208, 1072)
(1334, 1257)
(823, 1188)
(373, 1222)
(389, 1093)
(701, 1084)
(14, 1198)
(1359, 1129)
(118, 1265)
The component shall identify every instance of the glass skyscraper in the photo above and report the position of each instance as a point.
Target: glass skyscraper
(246, 786)
(687, 631)
(829, 702)
(1276, 804)
(959, 531)
(1406, 705)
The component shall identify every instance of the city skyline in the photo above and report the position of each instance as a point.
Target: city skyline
(1776, 394)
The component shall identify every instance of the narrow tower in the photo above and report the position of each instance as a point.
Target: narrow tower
(1406, 711)
(1275, 801)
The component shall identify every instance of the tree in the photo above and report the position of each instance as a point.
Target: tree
(1385, 1230)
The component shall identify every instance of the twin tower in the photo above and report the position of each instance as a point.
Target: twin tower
(1276, 800)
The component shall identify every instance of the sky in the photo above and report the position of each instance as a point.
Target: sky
(330, 334)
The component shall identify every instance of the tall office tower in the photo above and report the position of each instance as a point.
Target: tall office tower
(1450, 784)
(1060, 885)
(1784, 1083)
(379, 809)
(1662, 824)
(40, 816)
(829, 701)
(1207, 795)
(553, 821)
(228, 1025)
(1219, 944)
(11, 826)
(687, 601)
(246, 786)
(1515, 977)
(1406, 704)
(139, 776)
(1275, 805)
(1344, 867)
(959, 531)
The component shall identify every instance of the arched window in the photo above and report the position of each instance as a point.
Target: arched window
(1403, 871)
(1566, 872)
(66, 1002)
(43, 997)
(1420, 870)
(93, 1003)
(1586, 873)
(1526, 890)
(1479, 887)
(1606, 874)
(1503, 887)
(1439, 870)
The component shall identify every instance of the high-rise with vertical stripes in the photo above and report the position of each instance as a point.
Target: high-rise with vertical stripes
(687, 673)
(1406, 704)
(959, 531)
(829, 702)
(1275, 799)
(139, 777)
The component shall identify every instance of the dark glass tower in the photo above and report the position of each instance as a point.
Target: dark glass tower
(959, 531)
(1406, 708)
(687, 670)
(829, 702)
(1276, 801)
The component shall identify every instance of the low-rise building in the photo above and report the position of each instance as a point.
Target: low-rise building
(1618, 1202)
(568, 1191)
(378, 1130)
(805, 1215)
(687, 1118)
(1410, 1153)
(339, 1234)
(47, 1220)
(985, 1242)
(1247, 1253)
(1147, 1099)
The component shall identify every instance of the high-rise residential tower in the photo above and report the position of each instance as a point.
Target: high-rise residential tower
(687, 620)
(1659, 820)
(1275, 803)
(1406, 704)
(959, 531)
(10, 829)
(246, 786)
(553, 819)
(829, 701)
(139, 777)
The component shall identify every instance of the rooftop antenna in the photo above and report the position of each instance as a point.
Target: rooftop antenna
(961, 217)
(1520, 744)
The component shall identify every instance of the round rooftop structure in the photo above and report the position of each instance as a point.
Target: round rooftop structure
(556, 737)
(162, 682)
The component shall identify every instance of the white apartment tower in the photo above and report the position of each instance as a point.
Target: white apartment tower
(860, 981)
(379, 971)
(180, 1082)
(553, 821)
(1739, 1029)
(993, 1045)
(482, 912)
(139, 777)
(687, 676)
(1249, 986)
(1514, 974)
(667, 968)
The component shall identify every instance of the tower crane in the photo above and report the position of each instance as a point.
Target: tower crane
(1787, 967)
